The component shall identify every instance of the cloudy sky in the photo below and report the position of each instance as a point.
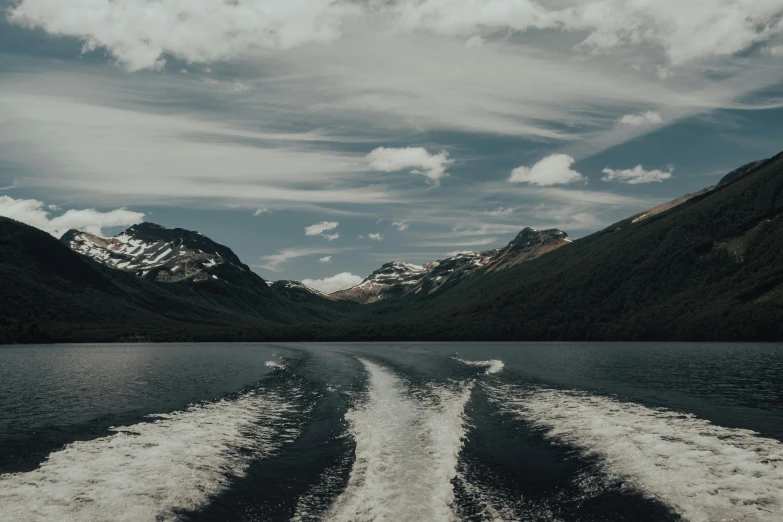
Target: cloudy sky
(321, 138)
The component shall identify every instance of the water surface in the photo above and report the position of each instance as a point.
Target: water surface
(418, 431)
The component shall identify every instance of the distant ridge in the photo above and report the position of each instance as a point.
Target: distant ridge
(706, 267)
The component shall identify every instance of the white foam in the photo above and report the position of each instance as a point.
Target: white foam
(148, 471)
(406, 452)
(492, 366)
(274, 364)
(703, 471)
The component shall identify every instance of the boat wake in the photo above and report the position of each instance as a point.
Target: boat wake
(704, 472)
(152, 470)
(407, 450)
(492, 366)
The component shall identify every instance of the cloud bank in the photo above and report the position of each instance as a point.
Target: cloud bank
(138, 33)
(37, 214)
(334, 283)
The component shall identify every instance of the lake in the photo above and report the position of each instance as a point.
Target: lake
(417, 431)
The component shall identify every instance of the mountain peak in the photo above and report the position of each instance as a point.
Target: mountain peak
(168, 255)
(397, 279)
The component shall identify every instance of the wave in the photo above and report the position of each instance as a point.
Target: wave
(274, 364)
(152, 470)
(704, 472)
(492, 366)
(407, 448)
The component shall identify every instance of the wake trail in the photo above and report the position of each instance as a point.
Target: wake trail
(704, 472)
(152, 470)
(407, 450)
(492, 366)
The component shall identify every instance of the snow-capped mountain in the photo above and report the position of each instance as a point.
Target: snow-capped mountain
(398, 279)
(296, 291)
(152, 251)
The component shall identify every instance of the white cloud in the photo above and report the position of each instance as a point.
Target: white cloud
(500, 211)
(331, 237)
(260, 211)
(326, 260)
(375, 236)
(402, 226)
(776, 51)
(35, 213)
(552, 170)
(474, 41)
(415, 159)
(637, 175)
(644, 118)
(334, 283)
(320, 229)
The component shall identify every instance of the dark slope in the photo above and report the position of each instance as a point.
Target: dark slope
(709, 269)
(61, 295)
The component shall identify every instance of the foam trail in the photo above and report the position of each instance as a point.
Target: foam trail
(492, 366)
(275, 365)
(406, 452)
(703, 471)
(149, 471)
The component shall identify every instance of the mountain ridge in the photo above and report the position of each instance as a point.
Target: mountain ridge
(708, 268)
(396, 279)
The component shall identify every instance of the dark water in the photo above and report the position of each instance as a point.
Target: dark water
(396, 432)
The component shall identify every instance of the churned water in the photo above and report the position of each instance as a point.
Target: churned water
(391, 432)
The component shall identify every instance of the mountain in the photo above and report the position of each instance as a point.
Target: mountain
(156, 252)
(297, 291)
(53, 292)
(708, 269)
(398, 280)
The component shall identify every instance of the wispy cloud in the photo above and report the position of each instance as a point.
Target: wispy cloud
(500, 211)
(321, 229)
(273, 262)
(401, 226)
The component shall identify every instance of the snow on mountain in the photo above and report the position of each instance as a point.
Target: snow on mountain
(296, 291)
(150, 250)
(398, 279)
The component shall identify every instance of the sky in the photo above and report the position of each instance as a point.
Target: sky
(319, 139)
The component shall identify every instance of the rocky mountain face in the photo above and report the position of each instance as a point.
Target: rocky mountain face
(297, 291)
(158, 253)
(396, 279)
